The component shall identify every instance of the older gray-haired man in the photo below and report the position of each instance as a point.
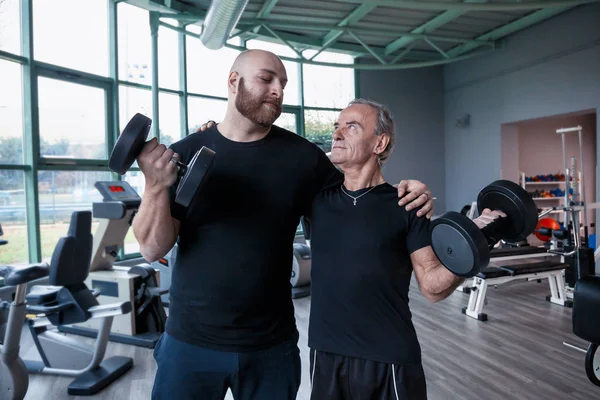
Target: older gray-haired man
(364, 251)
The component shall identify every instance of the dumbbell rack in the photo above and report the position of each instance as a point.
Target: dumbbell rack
(546, 202)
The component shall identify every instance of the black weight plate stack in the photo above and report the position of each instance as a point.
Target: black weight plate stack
(515, 202)
(129, 144)
(195, 176)
(459, 244)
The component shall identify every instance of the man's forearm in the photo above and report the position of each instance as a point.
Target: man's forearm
(440, 283)
(153, 225)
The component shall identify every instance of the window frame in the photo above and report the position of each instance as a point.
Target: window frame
(32, 70)
(81, 78)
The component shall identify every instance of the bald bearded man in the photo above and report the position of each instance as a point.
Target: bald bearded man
(231, 318)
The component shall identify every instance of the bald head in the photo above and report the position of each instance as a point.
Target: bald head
(256, 82)
(250, 61)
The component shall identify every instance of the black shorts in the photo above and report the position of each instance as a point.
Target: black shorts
(335, 377)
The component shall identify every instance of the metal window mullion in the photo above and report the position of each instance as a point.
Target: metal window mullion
(290, 109)
(183, 97)
(70, 75)
(314, 108)
(91, 166)
(135, 85)
(154, 20)
(171, 91)
(149, 87)
(206, 96)
(15, 167)
(31, 143)
(112, 106)
(4, 55)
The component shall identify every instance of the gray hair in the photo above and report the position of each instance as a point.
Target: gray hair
(385, 126)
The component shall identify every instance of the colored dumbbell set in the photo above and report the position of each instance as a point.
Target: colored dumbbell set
(546, 178)
(549, 193)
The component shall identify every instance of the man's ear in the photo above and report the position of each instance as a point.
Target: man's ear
(381, 144)
(233, 81)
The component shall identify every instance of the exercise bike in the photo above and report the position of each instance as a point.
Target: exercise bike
(140, 285)
(67, 300)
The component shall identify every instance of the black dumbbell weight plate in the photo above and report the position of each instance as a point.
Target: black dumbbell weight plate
(515, 202)
(459, 244)
(195, 176)
(129, 144)
(592, 364)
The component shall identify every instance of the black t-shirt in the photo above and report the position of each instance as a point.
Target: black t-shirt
(230, 288)
(361, 272)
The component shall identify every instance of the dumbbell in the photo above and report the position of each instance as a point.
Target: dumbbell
(463, 248)
(130, 144)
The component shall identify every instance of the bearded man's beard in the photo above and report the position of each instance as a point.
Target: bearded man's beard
(254, 109)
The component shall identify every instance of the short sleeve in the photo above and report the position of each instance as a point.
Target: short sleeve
(328, 175)
(419, 234)
(325, 176)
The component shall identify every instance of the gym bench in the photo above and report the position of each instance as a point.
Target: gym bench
(500, 254)
(495, 276)
(516, 253)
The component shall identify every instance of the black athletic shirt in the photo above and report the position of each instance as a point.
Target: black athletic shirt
(230, 288)
(360, 275)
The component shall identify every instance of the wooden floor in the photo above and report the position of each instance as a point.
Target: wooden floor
(517, 354)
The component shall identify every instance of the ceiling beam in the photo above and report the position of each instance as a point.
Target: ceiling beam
(509, 28)
(403, 53)
(437, 48)
(180, 7)
(243, 24)
(397, 66)
(368, 48)
(171, 9)
(359, 13)
(284, 41)
(441, 6)
(302, 42)
(186, 18)
(427, 27)
(326, 43)
(266, 9)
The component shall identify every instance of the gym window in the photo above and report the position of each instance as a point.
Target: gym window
(72, 34)
(60, 119)
(10, 26)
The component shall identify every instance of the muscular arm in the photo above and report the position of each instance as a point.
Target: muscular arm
(435, 281)
(153, 227)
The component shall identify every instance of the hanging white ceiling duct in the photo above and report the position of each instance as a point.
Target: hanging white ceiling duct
(221, 19)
